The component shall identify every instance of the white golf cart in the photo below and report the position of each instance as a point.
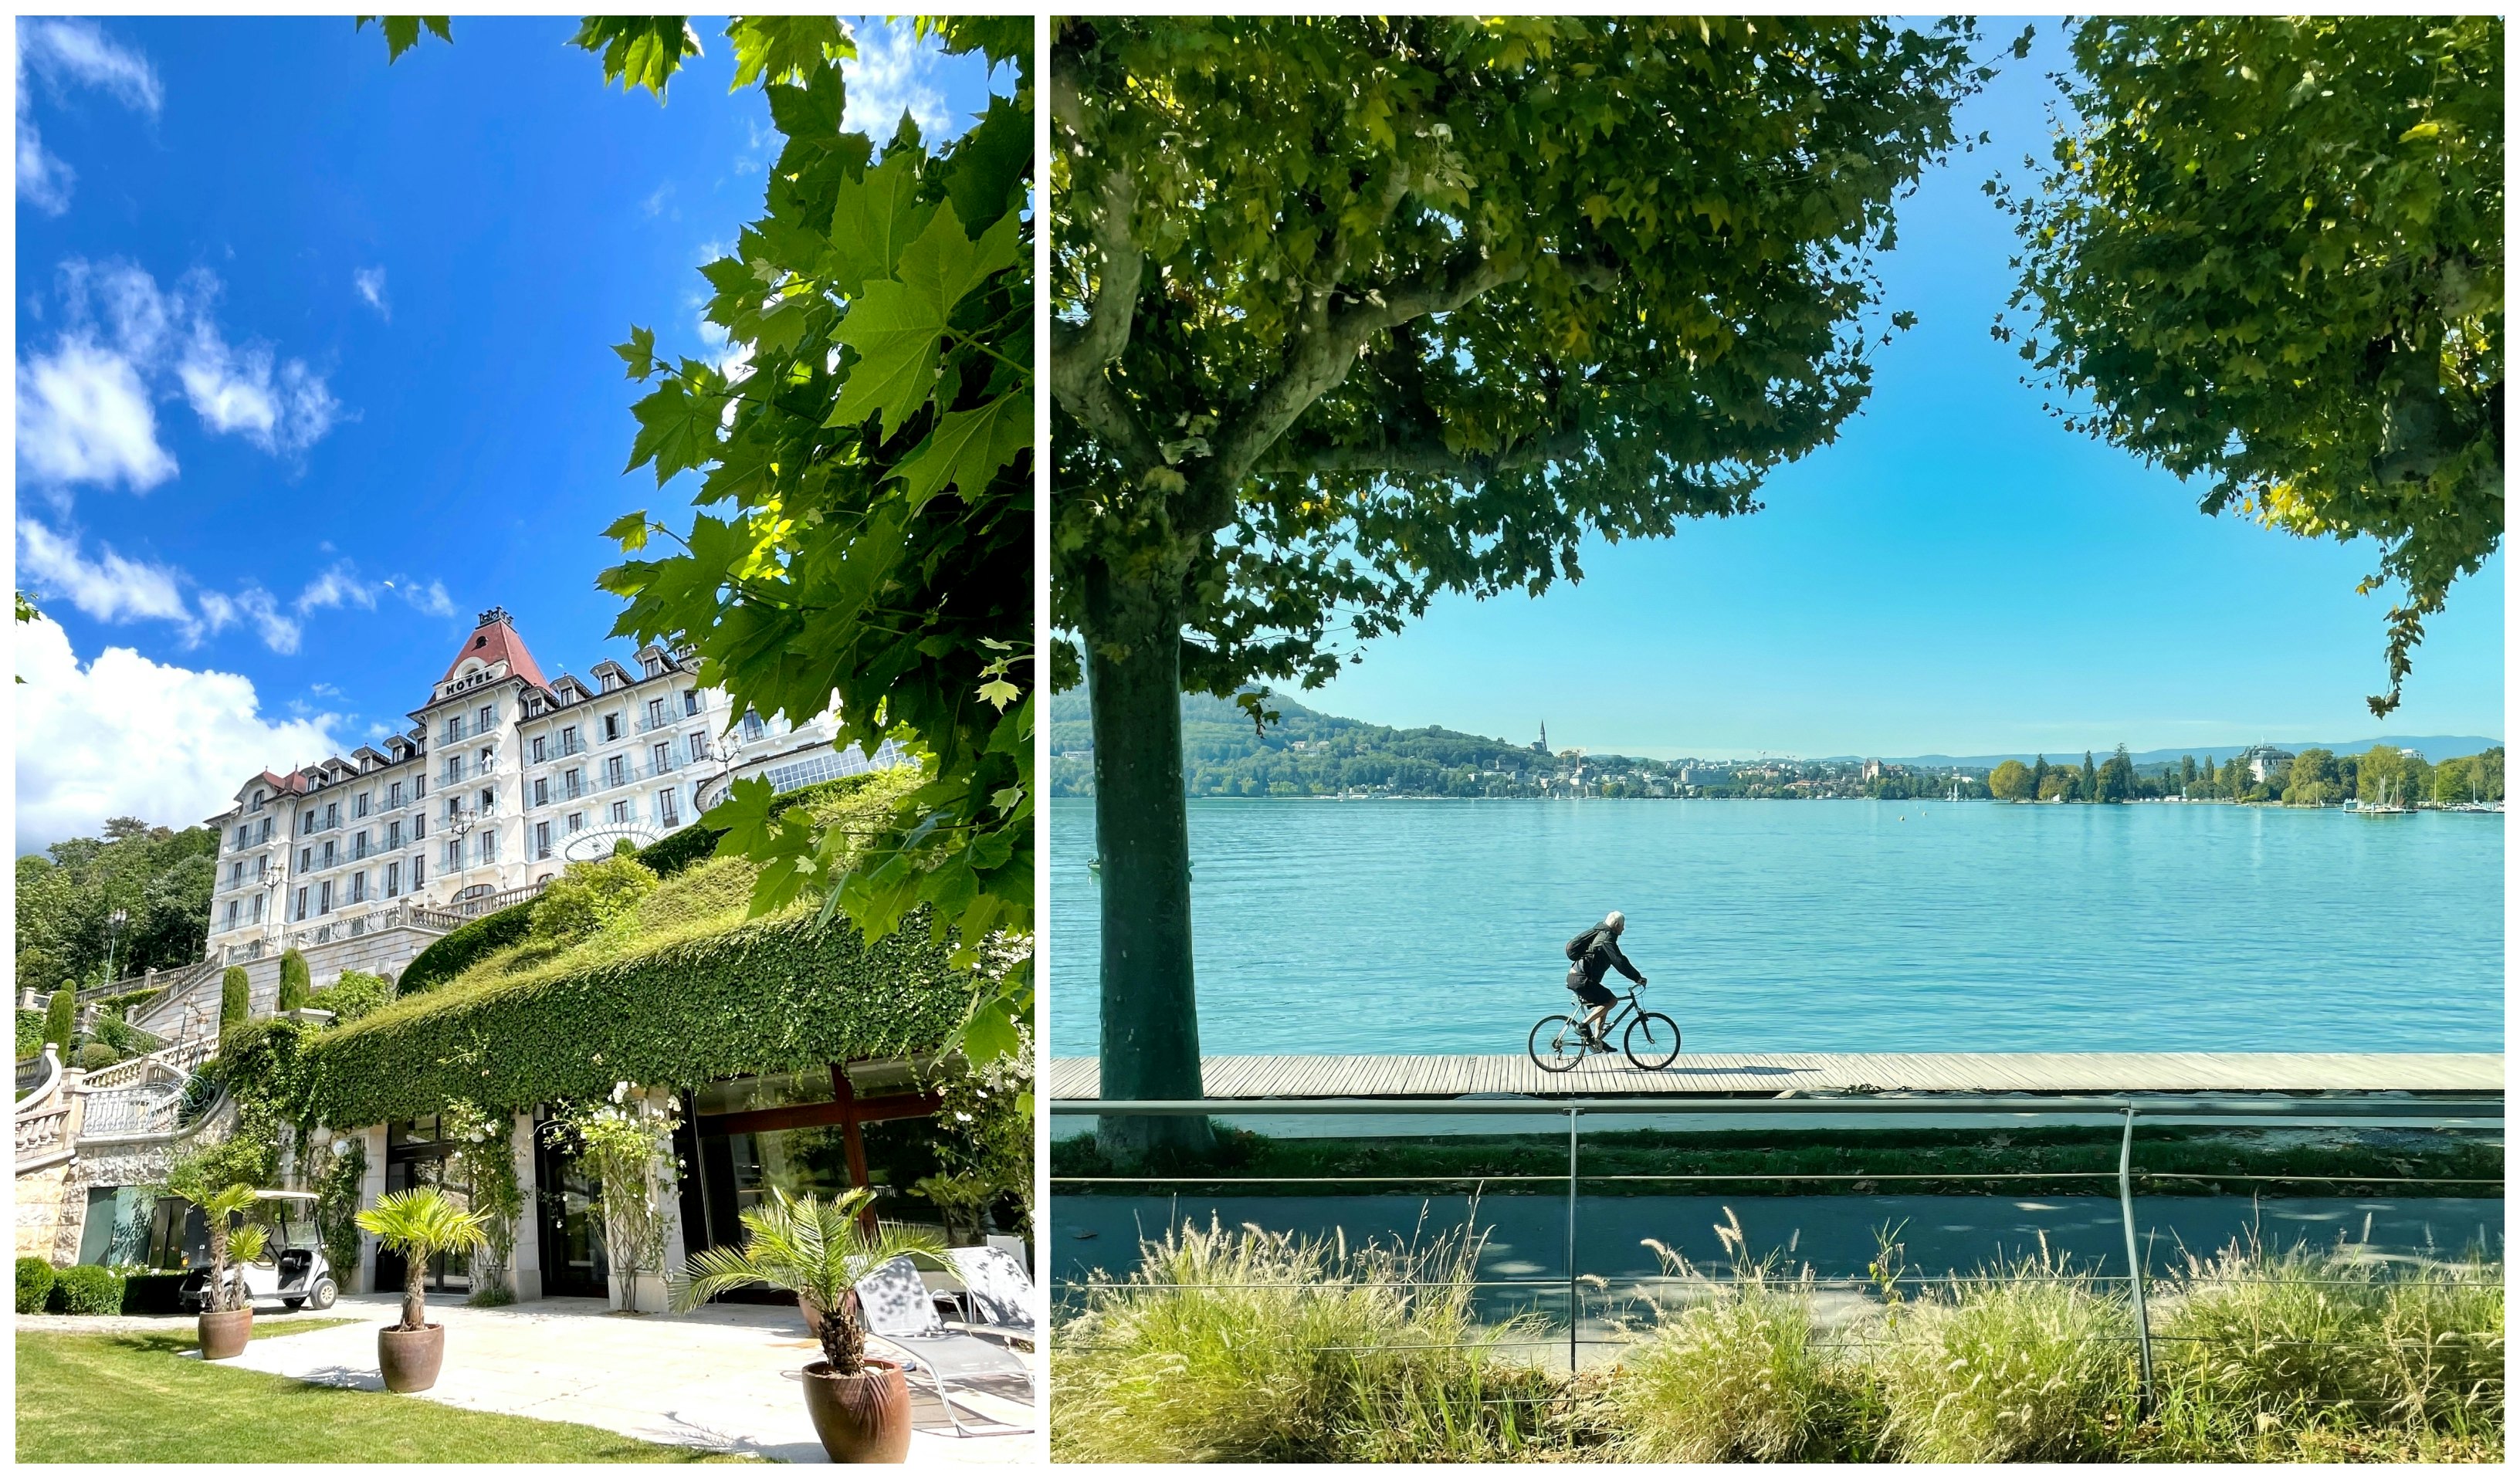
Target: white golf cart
(292, 1272)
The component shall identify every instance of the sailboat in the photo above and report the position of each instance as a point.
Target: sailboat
(2382, 807)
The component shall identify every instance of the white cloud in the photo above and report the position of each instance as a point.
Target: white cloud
(119, 591)
(84, 415)
(85, 409)
(110, 589)
(64, 54)
(341, 587)
(892, 74)
(371, 284)
(656, 199)
(124, 735)
(430, 599)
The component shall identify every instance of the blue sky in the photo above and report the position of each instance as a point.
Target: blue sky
(314, 365)
(1956, 574)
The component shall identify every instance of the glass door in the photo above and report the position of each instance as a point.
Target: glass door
(416, 1157)
(569, 1219)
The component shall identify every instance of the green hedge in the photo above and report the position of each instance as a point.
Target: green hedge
(464, 947)
(31, 1033)
(469, 944)
(34, 1285)
(236, 1000)
(86, 1289)
(295, 985)
(772, 996)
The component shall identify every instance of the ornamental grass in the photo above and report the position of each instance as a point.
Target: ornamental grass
(1261, 1347)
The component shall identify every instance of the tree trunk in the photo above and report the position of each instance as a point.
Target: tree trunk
(415, 1310)
(1142, 831)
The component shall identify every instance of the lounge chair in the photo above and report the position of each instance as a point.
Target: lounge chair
(899, 1314)
(998, 1294)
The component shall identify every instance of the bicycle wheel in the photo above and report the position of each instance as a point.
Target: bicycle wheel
(1653, 1041)
(1556, 1043)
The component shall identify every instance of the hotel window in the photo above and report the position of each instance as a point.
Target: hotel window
(359, 804)
(324, 898)
(359, 845)
(232, 913)
(542, 791)
(575, 784)
(656, 711)
(577, 821)
(621, 813)
(613, 772)
(257, 801)
(752, 725)
(306, 821)
(358, 889)
(488, 716)
(302, 903)
(393, 880)
(489, 759)
(538, 749)
(690, 701)
(490, 847)
(239, 841)
(665, 812)
(454, 807)
(490, 801)
(419, 826)
(331, 852)
(699, 746)
(332, 814)
(419, 872)
(418, 787)
(454, 727)
(612, 725)
(453, 854)
(454, 769)
(393, 795)
(662, 756)
(256, 911)
(236, 872)
(568, 741)
(305, 860)
(262, 867)
(394, 833)
(542, 840)
(263, 834)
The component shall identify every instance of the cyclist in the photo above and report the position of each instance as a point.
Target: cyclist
(1595, 952)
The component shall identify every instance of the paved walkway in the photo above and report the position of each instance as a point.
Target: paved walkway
(715, 1379)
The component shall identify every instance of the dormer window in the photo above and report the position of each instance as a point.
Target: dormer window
(653, 664)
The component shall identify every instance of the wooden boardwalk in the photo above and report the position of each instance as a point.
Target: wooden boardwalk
(1734, 1074)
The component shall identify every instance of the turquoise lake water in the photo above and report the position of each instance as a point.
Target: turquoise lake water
(1439, 927)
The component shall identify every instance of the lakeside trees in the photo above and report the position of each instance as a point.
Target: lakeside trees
(1354, 311)
(2271, 255)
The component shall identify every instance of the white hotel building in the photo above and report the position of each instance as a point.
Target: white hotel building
(503, 779)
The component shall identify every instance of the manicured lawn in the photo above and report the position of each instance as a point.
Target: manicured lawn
(135, 1399)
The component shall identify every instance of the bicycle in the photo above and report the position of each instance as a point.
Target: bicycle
(1650, 1040)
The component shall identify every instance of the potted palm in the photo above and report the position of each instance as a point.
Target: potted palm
(819, 1250)
(418, 1224)
(226, 1322)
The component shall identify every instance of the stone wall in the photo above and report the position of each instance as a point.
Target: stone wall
(378, 952)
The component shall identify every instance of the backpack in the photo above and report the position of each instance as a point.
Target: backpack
(1578, 947)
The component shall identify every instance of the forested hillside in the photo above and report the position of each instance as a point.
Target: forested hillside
(67, 896)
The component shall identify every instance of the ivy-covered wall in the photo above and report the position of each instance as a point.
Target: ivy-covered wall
(771, 996)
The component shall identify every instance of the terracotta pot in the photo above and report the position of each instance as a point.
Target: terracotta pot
(224, 1334)
(863, 1418)
(409, 1359)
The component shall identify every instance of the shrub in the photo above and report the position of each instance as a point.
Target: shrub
(295, 985)
(1261, 1347)
(31, 1033)
(61, 1017)
(115, 1033)
(86, 1289)
(588, 898)
(353, 996)
(34, 1285)
(2030, 1363)
(464, 946)
(94, 1056)
(236, 1000)
(675, 851)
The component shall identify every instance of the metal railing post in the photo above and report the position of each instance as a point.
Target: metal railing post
(2135, 1266)
(1574, 1293)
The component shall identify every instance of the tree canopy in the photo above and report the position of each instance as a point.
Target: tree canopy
(161, 880)
(1352, 311)
(2268, 250)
